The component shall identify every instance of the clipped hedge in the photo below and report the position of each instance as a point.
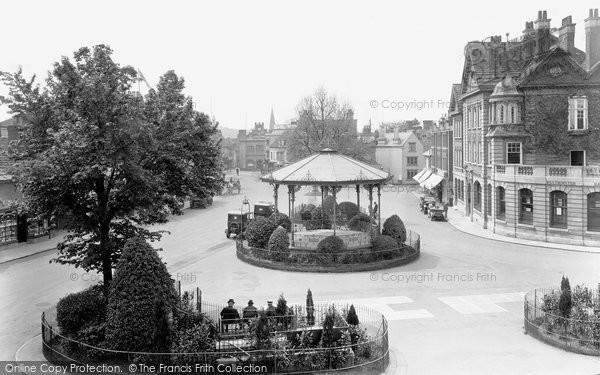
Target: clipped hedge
(328, 204)
(319, 220)
(141, 297)
(79, 311)
(279, 244)
(348, 210)
(282, 220)
(259, 231)
(329, 249)
(385, 247)
(361, 222)
(394, 227)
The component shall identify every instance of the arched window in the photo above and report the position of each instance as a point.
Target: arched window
(513, 114)
(477, 196)
(500, 203)
(558, 209)
(593, 211)
(525, 206)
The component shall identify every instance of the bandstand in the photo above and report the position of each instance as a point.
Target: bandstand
(331, 171)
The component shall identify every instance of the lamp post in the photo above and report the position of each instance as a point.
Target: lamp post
(244, 203)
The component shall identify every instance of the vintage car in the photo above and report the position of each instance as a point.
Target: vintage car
(237, 222)
(197, 202)
(436, 214)
(264, 209)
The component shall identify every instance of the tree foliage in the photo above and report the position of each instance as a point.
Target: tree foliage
(94, 151)
(259, 232)
(279, 244)
(325, 122)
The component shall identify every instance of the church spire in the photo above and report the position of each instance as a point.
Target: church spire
(272, 121)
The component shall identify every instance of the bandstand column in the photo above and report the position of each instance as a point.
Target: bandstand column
(322, 201)
(370, 190)
(379, 209)
(275, 197)
(358, 197)
(292, 199)
(334, 204)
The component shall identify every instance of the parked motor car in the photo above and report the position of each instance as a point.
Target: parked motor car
(197, 202)
(265, 209)
(237, 222)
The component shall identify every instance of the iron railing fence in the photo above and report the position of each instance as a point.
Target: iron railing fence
(579, 332)
(368, 356)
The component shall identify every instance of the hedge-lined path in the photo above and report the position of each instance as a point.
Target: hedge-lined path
(198, 253)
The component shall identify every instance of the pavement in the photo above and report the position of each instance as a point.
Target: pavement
(462, 223)
(12, 252)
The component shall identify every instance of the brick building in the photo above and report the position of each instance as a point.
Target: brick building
(441, 161)
(526, 128)
(252, 148)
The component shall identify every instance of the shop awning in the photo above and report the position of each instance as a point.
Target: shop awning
(424, 176)
(432, 181)
(418, 175)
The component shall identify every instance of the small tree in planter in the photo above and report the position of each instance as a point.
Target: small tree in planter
(328, 204)
(564, 284)
(565, 303)
(282, 311)
(279, 245)
(259, 231)
(352, 318)
(310, 309)
(394, 227)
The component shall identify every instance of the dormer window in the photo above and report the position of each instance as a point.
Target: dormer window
(578, 113)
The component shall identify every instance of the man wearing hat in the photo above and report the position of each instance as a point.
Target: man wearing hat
(229, 315)
(250, 311)
(270, 308)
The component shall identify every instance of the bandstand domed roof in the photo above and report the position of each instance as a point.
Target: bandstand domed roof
(506, 88)
(327, 167)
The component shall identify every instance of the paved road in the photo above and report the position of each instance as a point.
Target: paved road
(457, 310)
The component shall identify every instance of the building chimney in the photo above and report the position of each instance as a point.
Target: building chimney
(542, 27)
(566, 35)
(396, 136)
(592, 39)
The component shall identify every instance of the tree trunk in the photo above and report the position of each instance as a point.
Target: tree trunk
(106, 256)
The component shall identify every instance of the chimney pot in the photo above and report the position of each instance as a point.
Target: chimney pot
(591, 13)
(596, 13)
(540, 14)
(545, 15)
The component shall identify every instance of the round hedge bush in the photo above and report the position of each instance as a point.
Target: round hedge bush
(394, 227)
(384, 247)
(259, 231)
(279, 244)
(348, 210)
(329, 248)
(361, 222)
(318, 217)
(79, 311)
(282, 220)
(141, 296)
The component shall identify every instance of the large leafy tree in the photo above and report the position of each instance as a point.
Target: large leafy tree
(325, 122)
(112, 162)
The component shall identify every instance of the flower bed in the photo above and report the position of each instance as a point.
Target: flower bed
(578, 332)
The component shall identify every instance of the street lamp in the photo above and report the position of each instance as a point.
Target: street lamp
(245, 202)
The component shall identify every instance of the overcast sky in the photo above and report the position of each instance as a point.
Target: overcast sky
(242, 58)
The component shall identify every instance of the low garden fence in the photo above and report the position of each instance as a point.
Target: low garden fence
(370, 356)
(579, 332)
(344, 261)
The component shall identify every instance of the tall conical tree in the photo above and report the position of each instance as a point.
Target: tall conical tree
(310, 309)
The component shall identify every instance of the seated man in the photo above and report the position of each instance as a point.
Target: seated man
(250, 311)
(229, 315)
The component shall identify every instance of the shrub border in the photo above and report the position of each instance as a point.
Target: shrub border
(337, 268)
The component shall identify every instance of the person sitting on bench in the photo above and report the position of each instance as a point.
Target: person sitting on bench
(229, 315)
